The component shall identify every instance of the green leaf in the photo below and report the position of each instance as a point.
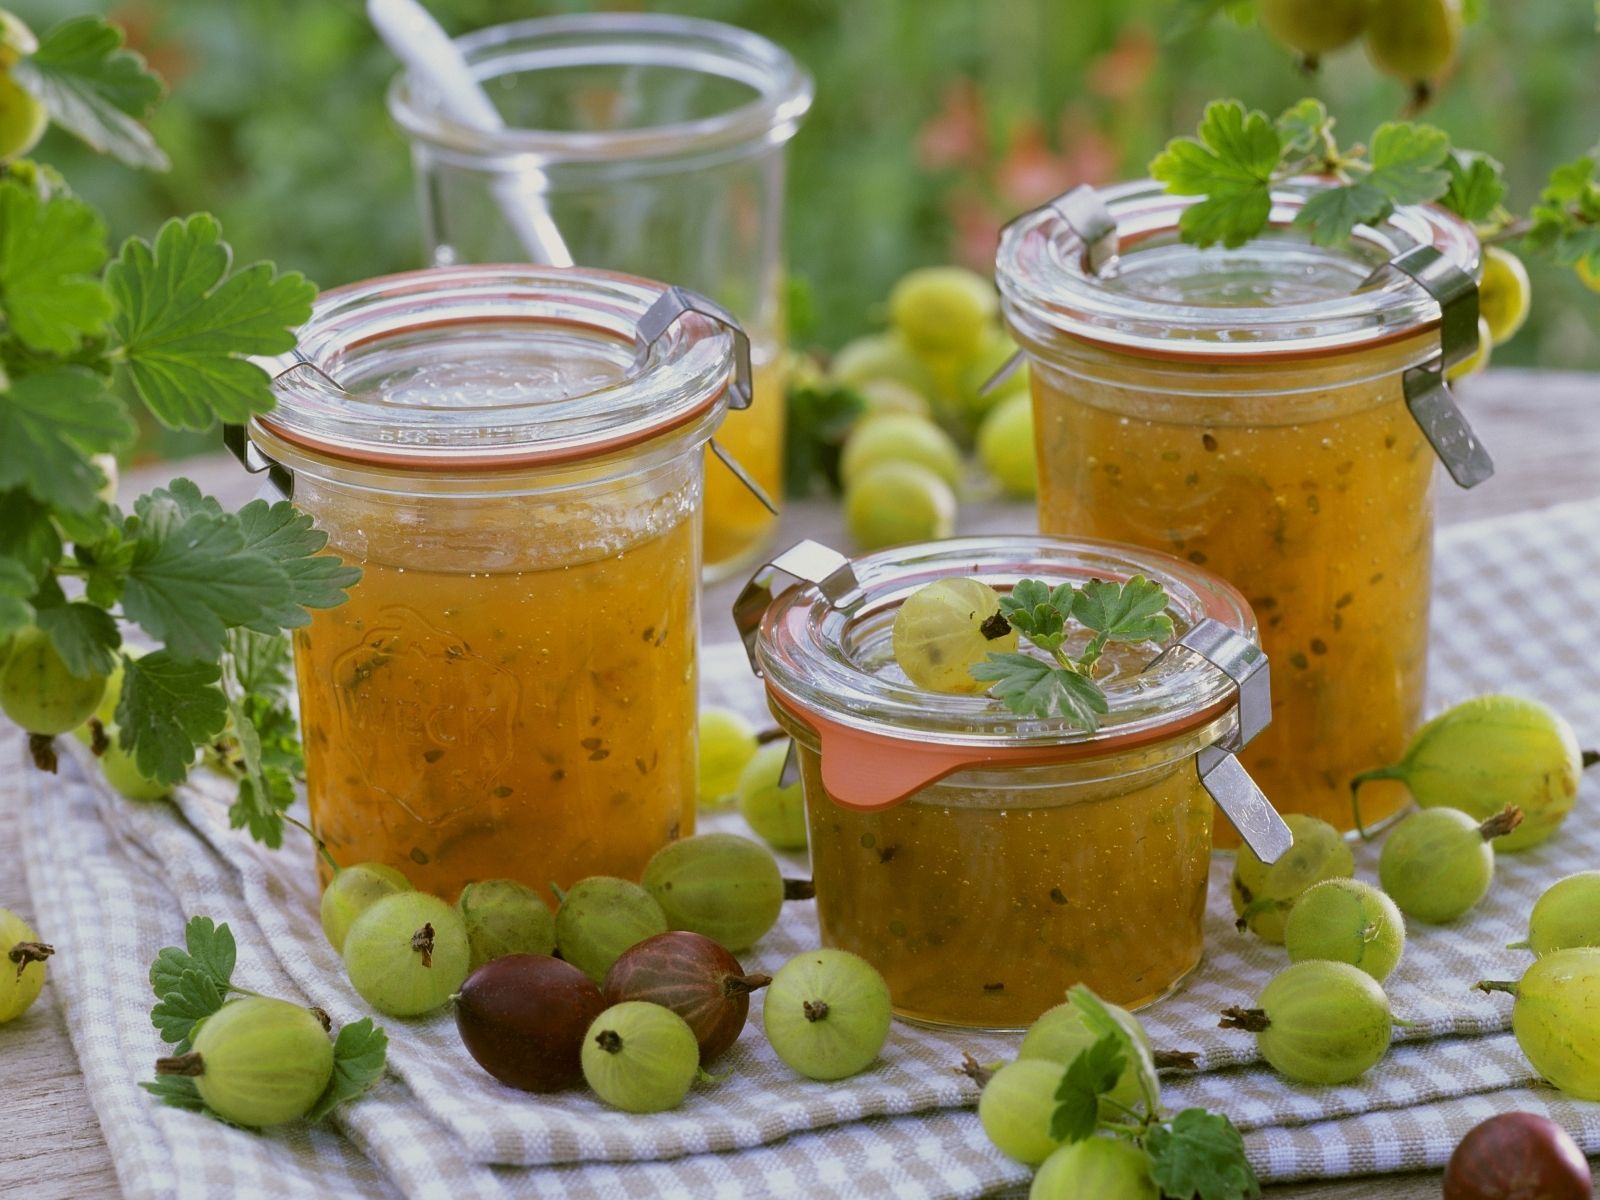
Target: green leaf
(1409, 162)
(177, 1090)
(286, 535)
(95, 88)
(1094, 1072)
(1033, 688)
(194, 997)
(49, 425)
(85, 635)
(192, 579)
(186, 325)
(51, 252)
(1331, 213)
(1100, 1021)
(169, 708)
(262, 663)
(817, 419)
(1231, 165)
(1305, 127)
(1477, 185)
(359, 1056)
(27, 534)
(16, 585)
(1038, 611)
(210, 950)
(1200, 1156)
(1134, 611)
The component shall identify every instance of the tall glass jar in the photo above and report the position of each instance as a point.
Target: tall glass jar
(1246, 410)
(655, 144)
(510, 689)
(983, 861)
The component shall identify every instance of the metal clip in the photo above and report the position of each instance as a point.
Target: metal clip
(676, 301)
(1427, 394)
(279, 478)
(807, 561)
(1221, 774)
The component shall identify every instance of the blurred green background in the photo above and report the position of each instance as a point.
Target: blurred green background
(935, 120)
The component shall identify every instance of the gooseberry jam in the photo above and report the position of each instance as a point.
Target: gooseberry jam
(1244, 409)
(983, 861)
(510, 690)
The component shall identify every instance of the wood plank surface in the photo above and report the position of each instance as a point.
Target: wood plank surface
(1542, 427)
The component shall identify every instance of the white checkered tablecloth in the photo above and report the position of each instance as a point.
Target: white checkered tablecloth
(1517, 601)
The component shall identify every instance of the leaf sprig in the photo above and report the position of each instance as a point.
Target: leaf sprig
(1239, 156)
(1063, 685)
(192, 983)
(1194, 1155)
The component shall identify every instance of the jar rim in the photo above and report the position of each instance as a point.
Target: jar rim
(357, 386)
(1049, 292)
(803, 650)
(783, 88)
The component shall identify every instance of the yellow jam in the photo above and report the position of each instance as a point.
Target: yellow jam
(736, 523)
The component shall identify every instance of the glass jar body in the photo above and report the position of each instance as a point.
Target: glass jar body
(656, 145)
(1308, 485)
(983, 897)
(509, 692)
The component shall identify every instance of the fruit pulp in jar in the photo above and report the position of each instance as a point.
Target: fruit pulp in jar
(536, 725)
(737, 525)
(982, 903)
(1316, 504)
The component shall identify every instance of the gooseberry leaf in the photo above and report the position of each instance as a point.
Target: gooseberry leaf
(1134, 611)
(1038, 611)
(85, 635)
(1101, 1021)
(168, 709)
(95, 88)
(177, 1090)
(49, 425)
(360, 1053)
(191, 579)
(187, 325)
(51, 252)
(1231, 164)
(1031, 687)
(194, 997)
(316, 580)
(1199, 1155)
(27, 534)
(210, 950)
(1407, 166)
(261, 662)
(1305, 126)
(16, 585)
(1090, 1075)
(1477, 185)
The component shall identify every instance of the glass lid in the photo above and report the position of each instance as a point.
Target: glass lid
(838, 663)
(1278, 294)
(485, 367)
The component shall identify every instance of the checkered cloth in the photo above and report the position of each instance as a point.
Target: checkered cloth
(113, 882)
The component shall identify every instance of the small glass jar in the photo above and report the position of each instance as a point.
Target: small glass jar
(985, 862)
(510, 689)
(655, 144)
(1247, 410)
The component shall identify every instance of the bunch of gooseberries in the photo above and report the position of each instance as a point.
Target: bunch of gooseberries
(1415, 41)
(922, 388)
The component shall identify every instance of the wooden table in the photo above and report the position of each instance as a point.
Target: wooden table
(1544, 430)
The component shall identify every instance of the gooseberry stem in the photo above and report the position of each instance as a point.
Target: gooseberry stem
(1253, 1020)
(815, 1010)
(770, 734)
(1589, 758)
(1397, 771)
(976, 1071)
(42, 749)
(25, 954)
(99, 743)
(609, 1040)
(1175, 1060)
(1496, 985)
(1519, 945)
(799, 889)
(1501, 823)
(322, 846)
(743, 985)
(190, 1064)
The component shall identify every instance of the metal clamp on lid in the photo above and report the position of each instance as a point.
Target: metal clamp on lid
(807, 561)
(1426, 391)
(1087, 216)
(1221, 774)
(661, 316)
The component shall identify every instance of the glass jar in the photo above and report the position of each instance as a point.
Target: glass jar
(510, 689)
(1247, 410)
(655, 144)
(985, 862)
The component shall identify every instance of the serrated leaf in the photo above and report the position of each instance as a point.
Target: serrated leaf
(261, 803)
(1134, 611)
(85, 635)
(1331, 213)
(1231, 164)
(210, 949)
(1091, 1074)
(261, 662)
(187, 325)
(95, 88)
(1408, 162)
(1032, 688)
(1100, 1021)
(1477, 185)
(168, 709)
(177, 1090)
(16, 585)
(1305, 126)
(316, 580)
(1038, 611)
(49, 425)
(27, 533)
(194, 997)
(360, 1054)
(192, 579)
(1200, 1156)
(51, 252)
